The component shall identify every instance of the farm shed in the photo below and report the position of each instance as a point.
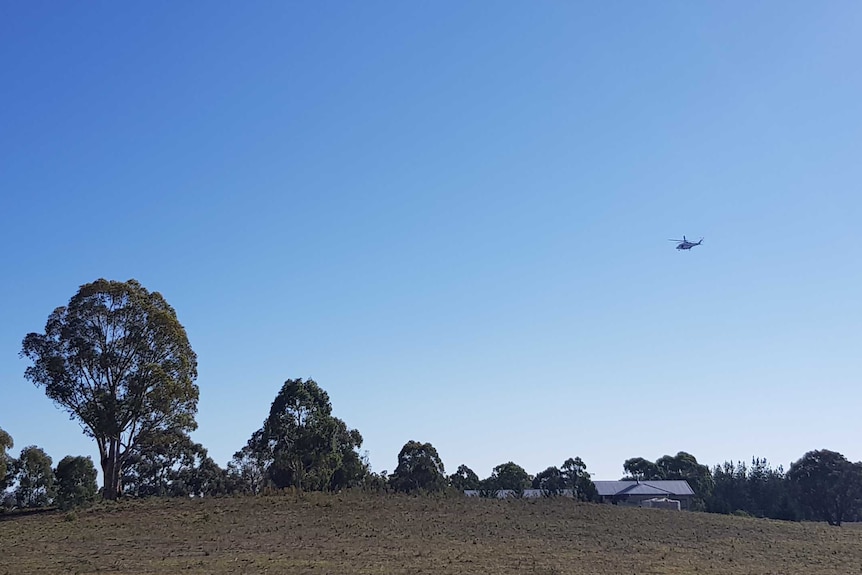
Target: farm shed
(634, 493)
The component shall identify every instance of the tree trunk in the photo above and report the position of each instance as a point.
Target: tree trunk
(111, 472)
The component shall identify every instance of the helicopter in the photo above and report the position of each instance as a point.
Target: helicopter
(684, 244)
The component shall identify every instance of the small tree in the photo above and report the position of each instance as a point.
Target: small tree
(464, 479)
(248, 470)
(6, 462)
(35, 478)
(76, 481)
(550, 481)
(511, 476)
(576, 478)
(158, 458)
(419, 467)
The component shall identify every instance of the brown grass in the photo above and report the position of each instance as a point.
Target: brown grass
(370, 534)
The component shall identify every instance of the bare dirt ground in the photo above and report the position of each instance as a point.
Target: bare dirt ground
(358, 533)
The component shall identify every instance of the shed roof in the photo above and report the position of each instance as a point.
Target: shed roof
(651, 488)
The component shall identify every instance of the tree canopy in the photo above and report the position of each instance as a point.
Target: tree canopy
(119, 361)
(170, 463)
(35, 478)
(576, 478)
(756, 489)
(76, 481)
(550, 481)
(301, 444)
(828, 485)
(510, 475)
(5, 460)
(419, 468)
(463, 479)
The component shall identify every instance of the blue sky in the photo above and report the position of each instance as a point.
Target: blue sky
(454, 217)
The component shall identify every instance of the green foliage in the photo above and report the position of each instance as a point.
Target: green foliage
(169, 463)
(248, 470)
(642, 469)
(575, 477)
(76, 481)
(419, 468)
(206, 479)
(35, 478)
(7, 466)
(510, 476)
(375, 482)
(118, 360)
(550, 481)
(301, 444)
(464, 479)
(680, 466)
(757, 490)
(828, 486)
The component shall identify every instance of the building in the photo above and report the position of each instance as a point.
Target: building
(511, 493)
(636, 493)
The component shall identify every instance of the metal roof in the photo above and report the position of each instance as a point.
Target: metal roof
(654, 488)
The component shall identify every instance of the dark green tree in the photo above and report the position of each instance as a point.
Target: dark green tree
(768, 491)
(576, 478)
(203, 479)
(302, 445)
(550, 481)
(464, 479)
(376, 482)
(642, 469)
(419, 468)
(118, 360)
(169, 463)
(758, 490)
(511, 476)
(35, 478)
(6, 461)
(248, 470)
(730, 489)
(76, 481)
(685, 466)
(828, 486)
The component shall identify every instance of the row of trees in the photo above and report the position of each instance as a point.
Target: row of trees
(117, 359)
(37, 484)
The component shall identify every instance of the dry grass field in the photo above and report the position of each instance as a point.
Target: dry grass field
(369, 534)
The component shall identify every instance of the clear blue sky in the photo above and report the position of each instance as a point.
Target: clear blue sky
(454, 217)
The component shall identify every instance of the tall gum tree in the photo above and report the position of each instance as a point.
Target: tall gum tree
(117, 359)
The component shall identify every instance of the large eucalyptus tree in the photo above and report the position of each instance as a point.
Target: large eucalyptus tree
(119, 361)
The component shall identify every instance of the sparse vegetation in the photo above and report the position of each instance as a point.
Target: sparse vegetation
(362, 533)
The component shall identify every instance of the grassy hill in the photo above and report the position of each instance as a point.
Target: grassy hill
(370, 534)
